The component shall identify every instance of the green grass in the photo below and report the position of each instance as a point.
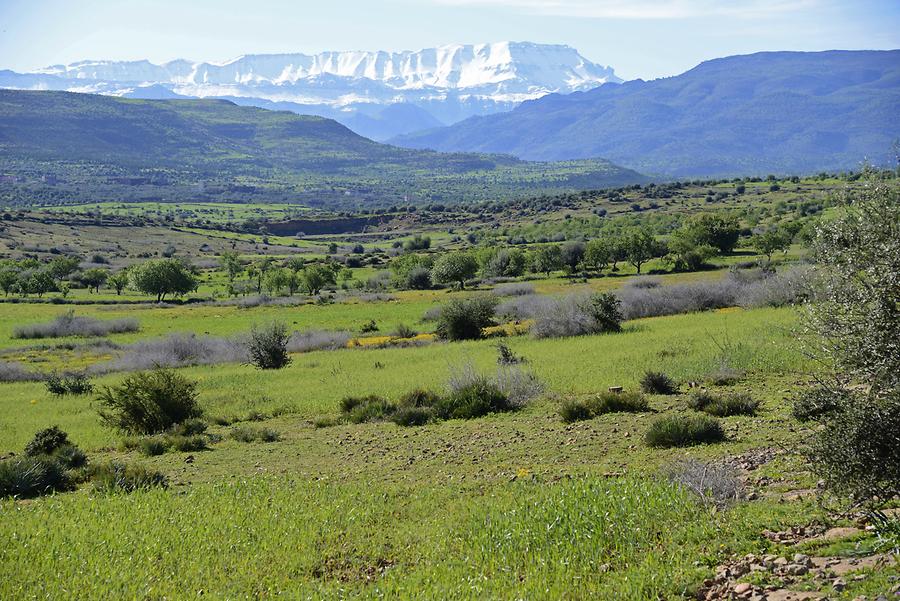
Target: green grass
(590, 538)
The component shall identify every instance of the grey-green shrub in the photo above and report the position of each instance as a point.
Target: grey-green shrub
(26, 477)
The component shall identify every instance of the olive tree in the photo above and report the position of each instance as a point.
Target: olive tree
(163, 277)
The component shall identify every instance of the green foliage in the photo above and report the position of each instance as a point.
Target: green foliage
(856, 320)
(46, 441)
(163, 277)
(149, 402)
(254, 434)
(639, 246)
(574, 410)
(546, 258)
(657, 382)
(454, 267)
(683, 431)
(27, 477)
(605, 310)
(419, 397)
(267, 346)
(475, 399)
(770, 241)
(94, 278)
(717, 230)
(73, 383)
(723, 405)
(465, 318)
(115, 476)
(119, 281)
(412, 416)
(502, 262)
(618, 402)
(315, 277)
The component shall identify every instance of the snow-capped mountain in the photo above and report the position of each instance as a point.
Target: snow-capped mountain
(443, 85)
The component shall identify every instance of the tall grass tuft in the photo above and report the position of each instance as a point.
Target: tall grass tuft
(684, 430)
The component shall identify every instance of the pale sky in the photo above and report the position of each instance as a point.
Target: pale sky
(638, 38)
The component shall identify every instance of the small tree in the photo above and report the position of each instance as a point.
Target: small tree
(464, 319)
(598, 253)
(162, 277)
(545, 259)
(315, 277)
(854, 322)
(640, 246)
(572, 254)
(454, 267)
(119, 281)
(267, 347)
(94, 278)
(231, 261)
(767, 243)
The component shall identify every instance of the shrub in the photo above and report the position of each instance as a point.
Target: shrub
(413, 416)
(574, 410)
(473, 399)
(120, 477)
(403, 331)
(189, 427)
(27, 477)
(70, 456)
(369, 327)
(316, 340)
(464, 319)
(724, 376)
(518, 385)
(684, 430)
(618, 402)
(179, 350)
(513, 289)
(149, 402)
(506, 356)
(418, 398)
(46, 441)
(187, 444)
(251, 434)
(152, 446)
(68, 324)
(12, 371)
(723, 405)
(817, 403)
(578, 315)
(73, 383)
(716, 485)
(267, 346)
(370, 409)
(656, 382)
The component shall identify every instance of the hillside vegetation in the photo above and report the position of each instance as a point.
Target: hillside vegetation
(783, 112)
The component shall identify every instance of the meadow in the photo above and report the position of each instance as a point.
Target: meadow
(521, 504)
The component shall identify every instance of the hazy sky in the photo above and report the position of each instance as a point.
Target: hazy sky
(639, 38)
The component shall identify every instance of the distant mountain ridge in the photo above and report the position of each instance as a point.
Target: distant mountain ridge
(768, 112)
(89, 146)
(446, 84)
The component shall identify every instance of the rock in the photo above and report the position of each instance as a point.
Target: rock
(801, 559)
(742, 588)
(839, 584)
(781, 561)
(796, 569)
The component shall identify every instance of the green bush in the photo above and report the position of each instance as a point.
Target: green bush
(46, 441)
(73, 383)
(573, 410)
(120, 477)
(817, 403)
(251, 434)
(190, 427)
(465, 318)
(372, 409)
(70, 456)
(606, 310)
(683, 431)
(149, 402)
(723, 405)
(267, 346)
(187, 444)
(477, 398)
(27, 477)
(656, 382)
(618, 402)
(418, 398)
(152, 446)
(413, 416)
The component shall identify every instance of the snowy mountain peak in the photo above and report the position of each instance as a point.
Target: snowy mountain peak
(448, 83)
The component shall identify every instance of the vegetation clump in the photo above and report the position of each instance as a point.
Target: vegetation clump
(69, 324)
(149, 402)
(72, 383)
(573, 410)
(27, 476)
(268, 346)
(725, 405)
(115, 476)
(247, 433)
(684, 430)
(465, 319)
(578, 315)
(656, 382)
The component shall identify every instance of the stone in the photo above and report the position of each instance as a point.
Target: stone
(839, 584)
(801, 558)
(742, 588)
(840, 532)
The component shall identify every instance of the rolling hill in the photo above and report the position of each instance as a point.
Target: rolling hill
(75, 146)
(773, 111)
